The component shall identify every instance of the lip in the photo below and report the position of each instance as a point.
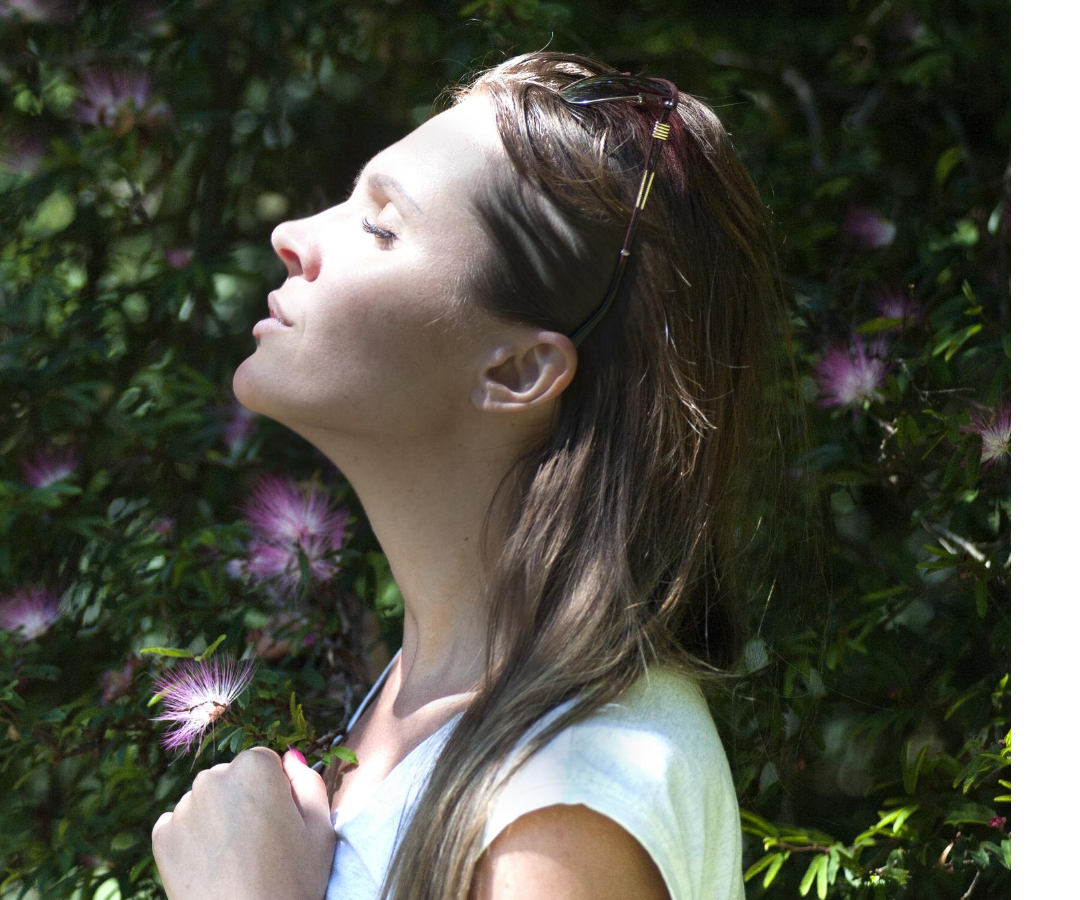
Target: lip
(275, 310)
(264, 326)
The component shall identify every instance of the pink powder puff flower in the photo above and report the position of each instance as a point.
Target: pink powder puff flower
(869, 228)
(994, 427)
(286, 519)
(283, 513)
(848, 376)
(908, 25)
(197, 694)
(163, 525)
(179, 257)
(117, 682)
(22, 154)
(58, 11)
(117, 98)
(239, 425)
(278, 567)
(49, 466)
(29, 612)
(235, 568)
(106, 93)
(893, 303)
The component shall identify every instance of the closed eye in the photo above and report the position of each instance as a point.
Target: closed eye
(381, 234)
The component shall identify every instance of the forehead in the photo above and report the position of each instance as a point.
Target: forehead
(444, 156)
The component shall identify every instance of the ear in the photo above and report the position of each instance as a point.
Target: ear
(525, 373)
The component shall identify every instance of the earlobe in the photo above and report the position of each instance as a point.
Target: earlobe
(528, 375)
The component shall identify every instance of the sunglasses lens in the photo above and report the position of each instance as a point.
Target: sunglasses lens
(611, 87)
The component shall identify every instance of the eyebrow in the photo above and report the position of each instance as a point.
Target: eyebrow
(386, 182)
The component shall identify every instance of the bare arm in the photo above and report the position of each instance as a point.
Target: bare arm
(569, 852)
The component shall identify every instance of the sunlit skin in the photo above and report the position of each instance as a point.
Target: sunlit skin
(423, 408)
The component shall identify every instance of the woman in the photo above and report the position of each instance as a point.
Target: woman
(568, 526)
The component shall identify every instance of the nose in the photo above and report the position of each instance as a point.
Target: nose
(295, 245)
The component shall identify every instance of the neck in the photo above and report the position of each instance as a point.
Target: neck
(426, 507)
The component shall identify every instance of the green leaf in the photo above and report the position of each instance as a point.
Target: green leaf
(755, 824)
(968, 813)
(297, 713)
(911, 772)
(1000, 852)
(236, 740)
(823, 877)
(904, 814)
(339, 752)
(952, 467)
(305, 573)
(774, 869)
(834, 187)
(946, 163)
(960, 702)
(109, 889)
(972, 461)
(955, 340)
(206, 653)
(169, 651)
(894, 816)
(228, 736)
(811, 873)
(54, 214)
(881, 323)
(907, 429)
(762, 863)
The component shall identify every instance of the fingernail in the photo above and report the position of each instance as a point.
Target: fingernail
(300, 756)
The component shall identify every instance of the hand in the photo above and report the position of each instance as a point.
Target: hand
(257, 827)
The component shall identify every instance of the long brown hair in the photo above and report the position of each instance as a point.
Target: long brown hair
(631, 526)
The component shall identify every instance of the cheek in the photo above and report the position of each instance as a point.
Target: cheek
(383, 354)
(381, 328)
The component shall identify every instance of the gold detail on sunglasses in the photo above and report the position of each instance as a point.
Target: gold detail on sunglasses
(661, 131)
(643, 191)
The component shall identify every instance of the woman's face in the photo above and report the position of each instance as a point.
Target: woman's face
(376, 344)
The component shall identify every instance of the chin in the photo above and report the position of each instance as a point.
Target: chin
(245, 386)
(262, 393)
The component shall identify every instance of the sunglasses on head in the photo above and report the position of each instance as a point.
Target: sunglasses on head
(657, 92)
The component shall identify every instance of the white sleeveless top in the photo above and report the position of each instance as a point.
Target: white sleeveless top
(652, 762)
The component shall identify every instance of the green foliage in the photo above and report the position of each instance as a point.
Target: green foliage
(868, 733)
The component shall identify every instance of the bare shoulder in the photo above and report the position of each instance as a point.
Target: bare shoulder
(570, 852)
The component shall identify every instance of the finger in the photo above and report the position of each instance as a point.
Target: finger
(204, 776)
(200, 778)
(261, 759)
(182, 805)
(308, 789)
(259, 770)
(163, 820)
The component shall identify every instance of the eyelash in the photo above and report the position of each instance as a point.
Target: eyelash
(381, 234)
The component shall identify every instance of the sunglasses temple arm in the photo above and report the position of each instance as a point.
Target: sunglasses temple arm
(642, 196)
(590, 323)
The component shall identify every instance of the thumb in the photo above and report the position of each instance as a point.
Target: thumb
(308, 788)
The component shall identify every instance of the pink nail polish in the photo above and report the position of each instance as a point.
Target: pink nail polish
(300, 756)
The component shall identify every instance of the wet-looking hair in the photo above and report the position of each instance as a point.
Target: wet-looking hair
(631, 524)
